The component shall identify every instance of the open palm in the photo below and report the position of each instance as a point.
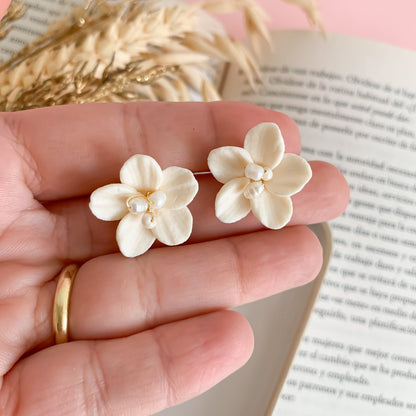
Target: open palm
(150, 332)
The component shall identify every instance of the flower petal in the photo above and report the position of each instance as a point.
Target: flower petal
(230, 204)
(265, 144)
(132, 238)
(228, 162)
(180, 187)
(142, 172)
(273, 211)
(290, 176)
(173, 226)
(108, 203)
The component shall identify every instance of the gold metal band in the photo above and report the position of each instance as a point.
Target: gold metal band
(61, 303)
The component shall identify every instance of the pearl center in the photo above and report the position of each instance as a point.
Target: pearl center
(267, 175)
(148, 221)
(137, 204)
(253, 190)
(147, 205)
(258, 173)
(157, 199)
(254, 172)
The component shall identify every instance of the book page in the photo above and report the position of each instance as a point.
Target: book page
(39, 15)
(355, 104)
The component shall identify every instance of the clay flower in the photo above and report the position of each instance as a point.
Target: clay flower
(151, 204)
(260, 178)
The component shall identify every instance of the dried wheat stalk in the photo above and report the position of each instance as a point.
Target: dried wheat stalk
(15, 11)
(312, 12)
(127, 51)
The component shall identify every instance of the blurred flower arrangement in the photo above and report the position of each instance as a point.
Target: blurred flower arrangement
(132, 50)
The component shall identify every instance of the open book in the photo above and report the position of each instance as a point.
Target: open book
(355, 103)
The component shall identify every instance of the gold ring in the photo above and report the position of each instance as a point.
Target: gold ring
(61, 303)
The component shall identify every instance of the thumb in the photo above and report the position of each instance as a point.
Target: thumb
(4, 4)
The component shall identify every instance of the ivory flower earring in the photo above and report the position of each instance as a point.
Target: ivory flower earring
(259, 177)
(151, 204)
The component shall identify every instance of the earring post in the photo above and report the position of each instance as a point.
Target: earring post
(202, 173)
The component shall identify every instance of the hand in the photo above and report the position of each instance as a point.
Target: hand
(150, 332)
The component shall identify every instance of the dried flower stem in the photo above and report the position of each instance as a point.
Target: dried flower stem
(15, 11)
(130, 50)
(311, 9)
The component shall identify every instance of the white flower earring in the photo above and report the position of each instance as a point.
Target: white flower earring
(151, 204)
(259, 177)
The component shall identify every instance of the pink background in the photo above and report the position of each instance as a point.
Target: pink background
(390, 21)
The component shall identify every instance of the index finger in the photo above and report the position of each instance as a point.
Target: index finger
(75, 149)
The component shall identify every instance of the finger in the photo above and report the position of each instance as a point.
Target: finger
(324, 197)
(113, 296)
(72, 150)
(138, 375)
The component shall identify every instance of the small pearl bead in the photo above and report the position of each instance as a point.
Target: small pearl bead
(157, 199)
(268, 174)
(137, 204)
(253, 190)
(148, 221)
(254, 172)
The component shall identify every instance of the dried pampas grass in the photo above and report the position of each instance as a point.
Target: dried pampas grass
(131, 50)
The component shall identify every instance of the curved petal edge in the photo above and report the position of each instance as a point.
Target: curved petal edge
(108, 203)
(290, 176)
(228, 162)
(180, 187)
(230, 204)
(173, 226)
(265, 144)
(142, 172)
(132, 237)
(272, 211)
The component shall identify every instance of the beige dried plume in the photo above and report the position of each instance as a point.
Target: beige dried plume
(132, 50)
